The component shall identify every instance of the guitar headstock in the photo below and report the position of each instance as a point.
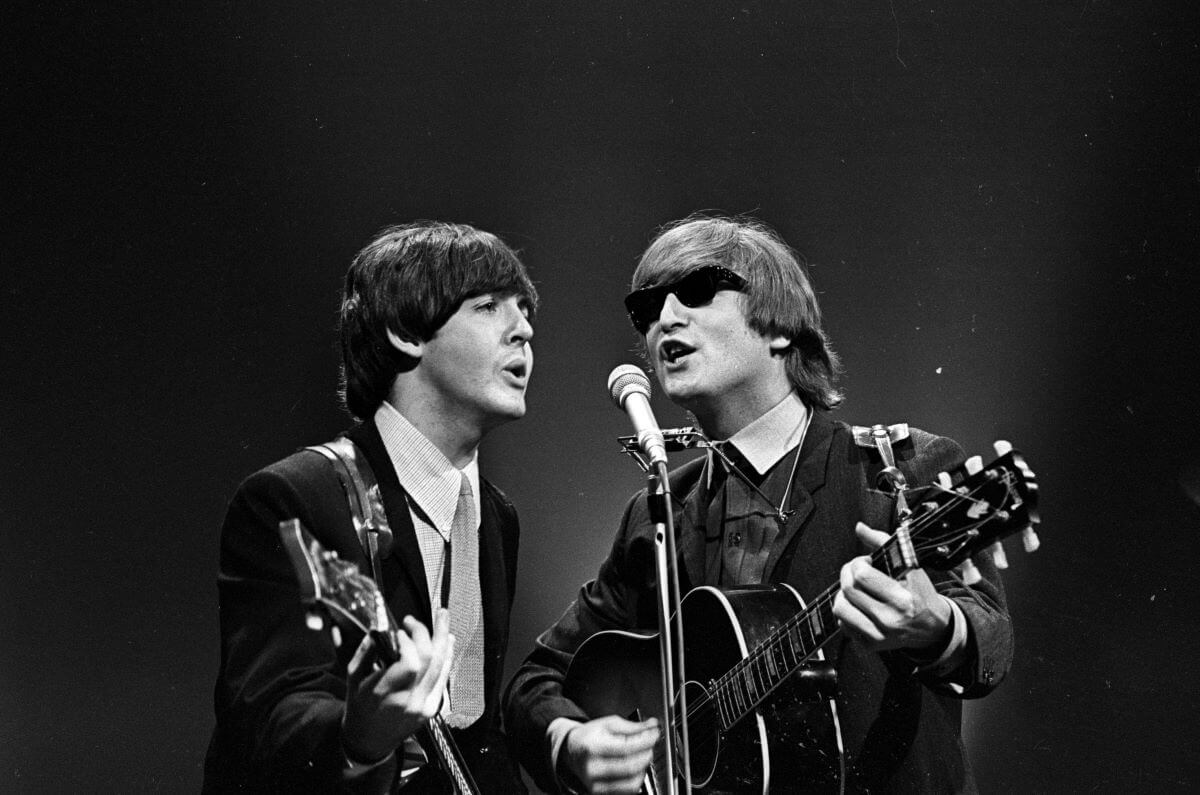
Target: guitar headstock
(328, 581)
(972, 508)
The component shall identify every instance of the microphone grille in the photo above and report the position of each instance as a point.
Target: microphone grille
(624, 379)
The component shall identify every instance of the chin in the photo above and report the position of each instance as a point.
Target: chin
(677, 390)
(512, 411)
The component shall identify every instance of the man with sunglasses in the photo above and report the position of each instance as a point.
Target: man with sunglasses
(732, 330)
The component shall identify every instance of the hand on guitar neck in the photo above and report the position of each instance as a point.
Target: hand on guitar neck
(388, 702)
(882, 613)
(397, 677)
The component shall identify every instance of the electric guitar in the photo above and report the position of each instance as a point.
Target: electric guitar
(760, 702)
(345, 594)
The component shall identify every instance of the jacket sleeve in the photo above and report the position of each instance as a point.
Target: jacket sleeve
(534, 697)
(984, 661)
(281, 687)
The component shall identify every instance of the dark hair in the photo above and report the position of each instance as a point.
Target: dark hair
(780, 299)
(410, 279)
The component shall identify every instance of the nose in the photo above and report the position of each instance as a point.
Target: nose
(521, 330)
(671, 314)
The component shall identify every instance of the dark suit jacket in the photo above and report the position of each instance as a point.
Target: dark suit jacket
(900, 726)
(280, 690)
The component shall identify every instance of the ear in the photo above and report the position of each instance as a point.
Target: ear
(407, 347)
(780, 344)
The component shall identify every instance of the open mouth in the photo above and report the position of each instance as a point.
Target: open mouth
(517, 370)
(672, 351)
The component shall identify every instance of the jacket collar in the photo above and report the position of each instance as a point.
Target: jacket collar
(404, 560)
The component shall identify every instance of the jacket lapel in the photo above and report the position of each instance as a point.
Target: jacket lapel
(810, 476)
(403, 564)
(689, 524)
(492, 575)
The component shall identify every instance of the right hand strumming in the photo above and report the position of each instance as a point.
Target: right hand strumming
(610, 754)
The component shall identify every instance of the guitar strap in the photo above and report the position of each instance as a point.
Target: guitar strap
(375, 534)
(362, 493)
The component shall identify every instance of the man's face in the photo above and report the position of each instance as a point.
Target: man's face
(477, 365)
(708, 359)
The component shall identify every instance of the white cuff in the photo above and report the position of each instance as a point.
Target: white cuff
(557, 733)
(949, 658)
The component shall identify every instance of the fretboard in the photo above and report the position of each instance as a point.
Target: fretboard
(765, 668)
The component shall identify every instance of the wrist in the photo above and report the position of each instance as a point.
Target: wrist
(354, 760)
(358, 759)
(940, 636)
(356, 756)
(560, 730)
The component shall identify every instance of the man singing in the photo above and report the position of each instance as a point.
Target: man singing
(732, 330)
(435, 332)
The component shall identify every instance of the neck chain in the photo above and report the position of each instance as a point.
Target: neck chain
(780, 513)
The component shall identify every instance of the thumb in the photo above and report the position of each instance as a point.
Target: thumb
(618, 725)
(873, 539)
(360, 663)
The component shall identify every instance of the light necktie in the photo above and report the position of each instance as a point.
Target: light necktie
(466, 613)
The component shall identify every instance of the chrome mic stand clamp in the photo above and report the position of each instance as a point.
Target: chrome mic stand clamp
(675, 439)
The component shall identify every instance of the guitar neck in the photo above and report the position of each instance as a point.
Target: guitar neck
(748, 683)
(440, 741)
(449, 756)
(344, 592)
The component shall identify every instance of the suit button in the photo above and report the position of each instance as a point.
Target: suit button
(988, 676)
(483, 749)
(735, 539)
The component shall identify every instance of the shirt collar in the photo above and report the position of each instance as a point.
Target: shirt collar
(770, 437)
(432, 482)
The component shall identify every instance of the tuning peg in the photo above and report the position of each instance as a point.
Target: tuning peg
(943, 479)
(1030, 539)
(1001, 447)
(998, 556)
(337, 636)
(973, 464)
(314, 621)
(970, 574)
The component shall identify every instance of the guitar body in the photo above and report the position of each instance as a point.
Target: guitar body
(790, 743)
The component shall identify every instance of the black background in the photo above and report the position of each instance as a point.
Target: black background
(998, 201)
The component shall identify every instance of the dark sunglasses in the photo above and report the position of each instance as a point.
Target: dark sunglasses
(695, 289)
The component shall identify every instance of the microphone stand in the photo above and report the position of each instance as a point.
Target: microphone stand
(670, 626)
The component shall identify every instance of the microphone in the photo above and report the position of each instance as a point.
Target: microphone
(630, 390)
